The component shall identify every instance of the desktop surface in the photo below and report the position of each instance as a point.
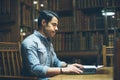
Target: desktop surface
(105, 73)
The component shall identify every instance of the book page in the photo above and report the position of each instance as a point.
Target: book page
(92, 66)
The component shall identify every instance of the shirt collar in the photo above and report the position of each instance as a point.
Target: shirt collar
(38, 34)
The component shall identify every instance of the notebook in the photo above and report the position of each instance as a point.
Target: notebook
(90, 69)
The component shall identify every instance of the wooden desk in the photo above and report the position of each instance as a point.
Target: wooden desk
(105, 73)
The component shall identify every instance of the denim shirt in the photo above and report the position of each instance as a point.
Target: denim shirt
(38, 55)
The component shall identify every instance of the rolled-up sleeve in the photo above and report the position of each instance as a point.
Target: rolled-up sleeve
(57, 62)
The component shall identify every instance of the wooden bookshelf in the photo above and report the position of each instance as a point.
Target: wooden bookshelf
(85, 28)
(29, 14)
(9, 20)
(81, 25)
(82, 57)
(17, 17)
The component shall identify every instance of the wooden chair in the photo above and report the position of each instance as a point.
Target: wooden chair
(11, 62)
(107, 52)
(117, 59)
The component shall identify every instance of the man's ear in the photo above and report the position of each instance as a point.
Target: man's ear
(43, 22)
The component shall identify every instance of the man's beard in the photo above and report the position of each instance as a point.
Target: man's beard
(46, 32)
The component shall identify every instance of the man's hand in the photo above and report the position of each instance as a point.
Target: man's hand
(73, 68)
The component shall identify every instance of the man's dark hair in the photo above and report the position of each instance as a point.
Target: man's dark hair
(47, 15)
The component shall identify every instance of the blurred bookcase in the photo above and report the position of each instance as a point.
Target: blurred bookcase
(18, 19)
(82, 27)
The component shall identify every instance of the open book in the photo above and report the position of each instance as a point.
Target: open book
(90, 69)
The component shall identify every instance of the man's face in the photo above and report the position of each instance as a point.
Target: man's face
(51, 28)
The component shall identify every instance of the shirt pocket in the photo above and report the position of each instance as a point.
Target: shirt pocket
(42, 55)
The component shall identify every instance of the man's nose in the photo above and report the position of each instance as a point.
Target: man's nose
(56, 28)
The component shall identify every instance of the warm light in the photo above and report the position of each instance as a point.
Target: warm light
(34, 2)
(42, 5)
(35, 20)
(23, 33)
(21, 30)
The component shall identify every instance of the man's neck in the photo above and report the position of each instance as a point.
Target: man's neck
(41, 31)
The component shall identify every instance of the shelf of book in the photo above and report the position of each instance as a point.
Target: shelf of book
(29, 10)
(81, 24)
(89, 29)
(60, 5)
(82, 57)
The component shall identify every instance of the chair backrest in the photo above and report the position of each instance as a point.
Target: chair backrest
(10, 58)
(117, 60)
(107, 52)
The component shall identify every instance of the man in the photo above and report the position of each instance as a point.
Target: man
(39, 58)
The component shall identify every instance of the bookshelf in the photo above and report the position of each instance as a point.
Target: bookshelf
(81, 25)
(29, 12)
(17, 19)
(8, 20)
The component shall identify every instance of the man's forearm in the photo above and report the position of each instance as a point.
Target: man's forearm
(53, 71)
(64, 65)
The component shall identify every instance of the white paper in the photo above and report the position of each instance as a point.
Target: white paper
(92, 66)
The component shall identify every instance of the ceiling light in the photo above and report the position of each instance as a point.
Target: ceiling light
(108, 12)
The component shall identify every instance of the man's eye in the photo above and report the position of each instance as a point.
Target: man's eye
(54, 24)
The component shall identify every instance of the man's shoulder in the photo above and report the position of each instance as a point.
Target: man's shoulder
(31, 39)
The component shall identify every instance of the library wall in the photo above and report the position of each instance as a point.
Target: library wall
(17, 19)
(85, 29)
(9, 30)
(82, 27)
